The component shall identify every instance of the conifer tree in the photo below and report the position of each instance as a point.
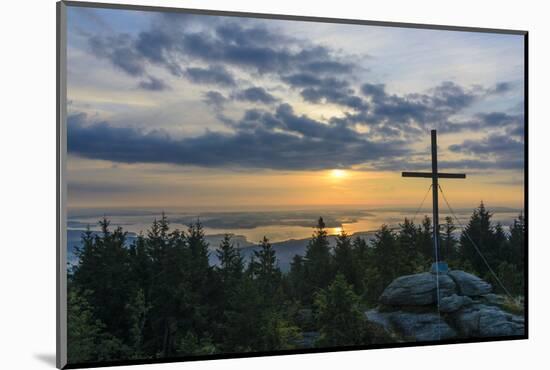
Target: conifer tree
(425, 239)
(389, 260)
(103, 272)
(230, 262)
(267, 274)
(343, 258)
(409, 246)
(87, 337)
(448, 241)
(480, 232)
(317, 261)
(296, 277)
(517, 242)
(339, 315)
(362, 260)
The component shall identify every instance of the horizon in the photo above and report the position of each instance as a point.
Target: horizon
(280, 225)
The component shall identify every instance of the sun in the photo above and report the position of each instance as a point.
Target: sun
(338, 174)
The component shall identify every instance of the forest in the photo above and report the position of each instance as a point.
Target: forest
(159, 297)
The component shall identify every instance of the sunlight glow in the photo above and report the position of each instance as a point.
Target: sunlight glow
(335, 231)
(338, 174)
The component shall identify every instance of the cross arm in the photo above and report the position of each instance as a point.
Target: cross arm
(430, 175)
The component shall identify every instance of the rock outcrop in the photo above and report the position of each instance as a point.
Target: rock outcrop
(468, 284)
(467, 308)
(423, 326)
(454, 303)
(417, 290)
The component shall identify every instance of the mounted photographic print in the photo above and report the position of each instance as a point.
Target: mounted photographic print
(235, 184)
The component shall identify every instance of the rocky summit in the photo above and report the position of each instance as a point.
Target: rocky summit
(467, 308)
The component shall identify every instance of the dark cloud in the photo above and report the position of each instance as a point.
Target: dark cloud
(492, 144)
(256, 35)
(215, 99)
(376, 91)
(159, 48)
(483, 164)
(213, 75)
(444, 99)
(300, 143)
(499, 119)
(119, 50)
(495, 151)
(451, 96)
(468, 164)
(513, 123)
(153, 84)
(256, 95)
(518, 131)
(500, 88)
(328, 66)
(316, 89)
(99, 188)
(390, 115)
(244, 45)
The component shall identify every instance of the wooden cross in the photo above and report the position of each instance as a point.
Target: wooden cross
(434, 175)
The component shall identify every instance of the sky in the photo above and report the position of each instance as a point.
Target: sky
(227, 113)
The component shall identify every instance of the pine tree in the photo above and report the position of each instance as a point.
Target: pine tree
(425, 239)
(202, 290)
(517, 242)
(410, 247)
(448, 241)
(242, 322)
(103, 271)
(343, 258)
(317, 262)
(231, 264)
(167, 255)
(267, 274)
(362, 259)
(198, 247)
(389, 259)
(88, 340)
(296, 277)
(480, 231)
(341, 321)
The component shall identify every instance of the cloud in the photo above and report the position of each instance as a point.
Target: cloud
(492, 144)
(518, 131)
(213, 75)
(153, 84)
(328, 66)
(242, 45)
(291, 143)
(500, 88)
(439, 102)
(215, 99)
(496, 151)
(513, 123)
(255, 95)
(120, 52)
(316, 89)
(376, 91)
(99, 188)
(408, 115)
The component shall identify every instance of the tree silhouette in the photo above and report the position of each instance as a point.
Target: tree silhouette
(317, 262)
